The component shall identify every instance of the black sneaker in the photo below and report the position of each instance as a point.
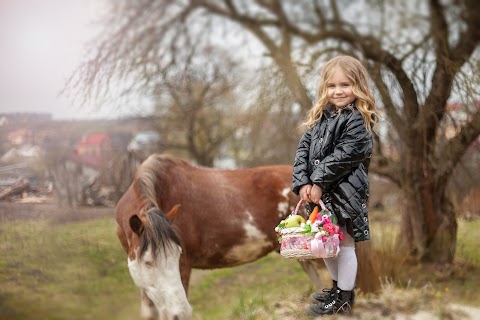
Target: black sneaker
(338, 303)
(322, 296)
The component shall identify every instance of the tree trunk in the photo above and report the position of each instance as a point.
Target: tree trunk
(368, 273)
(429, 227)
(205, 160)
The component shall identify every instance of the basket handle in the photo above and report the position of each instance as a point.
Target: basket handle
(322, 205)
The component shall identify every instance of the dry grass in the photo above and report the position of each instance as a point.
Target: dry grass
(392, 302)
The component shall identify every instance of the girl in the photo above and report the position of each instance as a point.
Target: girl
(331, 164)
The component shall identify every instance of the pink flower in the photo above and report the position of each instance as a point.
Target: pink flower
(337, 229)
(330, 228)
(341, 235)
(324, 239)
(326, 219)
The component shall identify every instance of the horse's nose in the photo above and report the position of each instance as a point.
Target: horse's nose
(181, 316)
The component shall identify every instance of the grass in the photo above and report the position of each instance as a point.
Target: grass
(78, 270)
(234, 291)
(468, 242)
(67, 271)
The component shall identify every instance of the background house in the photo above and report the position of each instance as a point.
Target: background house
(20, 136)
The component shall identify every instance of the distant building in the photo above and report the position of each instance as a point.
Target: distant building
(21, 136)
(95, 146)
(3, 121)
(94, 151)
(144, 143)
(22, 152)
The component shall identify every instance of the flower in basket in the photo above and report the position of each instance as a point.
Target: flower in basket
(325, 219)
(324, 226)
(330, 228)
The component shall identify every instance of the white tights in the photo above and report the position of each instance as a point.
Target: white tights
(343, 268)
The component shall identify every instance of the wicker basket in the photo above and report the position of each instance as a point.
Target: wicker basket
(297, 245)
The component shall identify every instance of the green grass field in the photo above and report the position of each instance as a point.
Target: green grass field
(78, 270)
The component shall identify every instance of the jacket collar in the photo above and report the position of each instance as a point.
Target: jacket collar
(331, 111)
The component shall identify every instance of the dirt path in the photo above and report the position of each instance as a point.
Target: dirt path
(49, 210)
(367, 310)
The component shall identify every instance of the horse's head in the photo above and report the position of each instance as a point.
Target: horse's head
(153, 262)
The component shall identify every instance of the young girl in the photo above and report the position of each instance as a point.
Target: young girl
(331, 164)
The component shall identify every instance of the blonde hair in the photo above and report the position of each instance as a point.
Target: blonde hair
(356, 72)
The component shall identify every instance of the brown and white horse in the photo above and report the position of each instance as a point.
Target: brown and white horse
(175, 217)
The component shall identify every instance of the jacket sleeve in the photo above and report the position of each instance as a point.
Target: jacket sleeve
(351, 149)
(300, 166)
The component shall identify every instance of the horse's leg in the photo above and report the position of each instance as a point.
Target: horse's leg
(316, 271)
(148, 311)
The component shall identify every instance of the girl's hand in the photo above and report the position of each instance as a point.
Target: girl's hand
(316, 194)
(305, 192)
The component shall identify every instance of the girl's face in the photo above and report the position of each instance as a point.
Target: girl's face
(339, 89)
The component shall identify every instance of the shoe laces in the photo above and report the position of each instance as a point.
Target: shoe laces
(344, 308)
(331, 300)
(330, 304)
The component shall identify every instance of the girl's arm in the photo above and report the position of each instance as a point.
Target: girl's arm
(353, 147)
(300, 166)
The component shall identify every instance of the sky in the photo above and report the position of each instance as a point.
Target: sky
(41, 43)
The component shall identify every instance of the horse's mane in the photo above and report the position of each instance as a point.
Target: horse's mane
(158, 228)
(148, 175)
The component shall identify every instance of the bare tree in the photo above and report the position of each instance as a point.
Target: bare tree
(196, 108)
(271, 131)
(420, 55)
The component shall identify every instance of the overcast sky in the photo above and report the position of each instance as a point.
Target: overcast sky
(41, 43)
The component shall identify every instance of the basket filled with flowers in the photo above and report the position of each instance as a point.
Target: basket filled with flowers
(317, 237)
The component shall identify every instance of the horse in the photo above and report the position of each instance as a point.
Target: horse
(176, 216)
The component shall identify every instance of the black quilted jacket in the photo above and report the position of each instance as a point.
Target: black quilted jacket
(335, 154)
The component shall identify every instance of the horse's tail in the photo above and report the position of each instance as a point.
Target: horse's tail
(158, 227)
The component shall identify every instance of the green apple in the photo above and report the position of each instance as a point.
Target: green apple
(294, 221)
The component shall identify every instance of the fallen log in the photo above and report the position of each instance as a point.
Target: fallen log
(19, 187)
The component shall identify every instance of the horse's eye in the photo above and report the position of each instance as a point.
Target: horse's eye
(149, 264)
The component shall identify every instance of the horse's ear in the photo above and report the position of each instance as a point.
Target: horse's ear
(171, 215)
(136, 224)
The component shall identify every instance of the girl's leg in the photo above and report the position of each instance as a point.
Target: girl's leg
(344, 269)
(347, 264)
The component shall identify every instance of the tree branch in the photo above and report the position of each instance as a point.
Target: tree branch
(386, 167)
(388, 104)
(450, 153)
(281, 57)
(448, 63)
